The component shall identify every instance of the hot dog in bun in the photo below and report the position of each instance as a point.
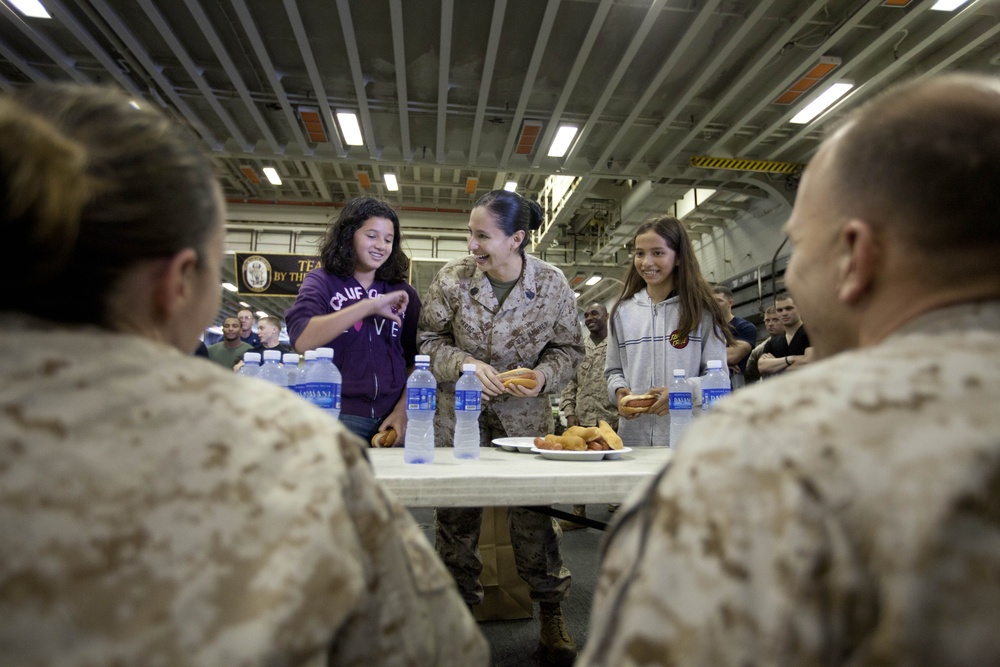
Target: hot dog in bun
(524, 377)
(633, 404)
(384, 438)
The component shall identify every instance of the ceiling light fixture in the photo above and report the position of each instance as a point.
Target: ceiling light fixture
(350, 128)
(272, 175)
(229, 286)
(564, 138)
(244, 304)
(805, 82)
(261, 313)
(593, 280)
(313, 123)
(390, 182)
(822, 102)
(576, 295)
(32, 8)
(530, 129)
(511, 186)
(948, 5)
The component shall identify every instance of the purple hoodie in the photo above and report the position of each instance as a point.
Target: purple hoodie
(373, 354)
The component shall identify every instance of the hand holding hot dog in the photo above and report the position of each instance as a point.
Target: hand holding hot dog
(523, 382)
(655, 401)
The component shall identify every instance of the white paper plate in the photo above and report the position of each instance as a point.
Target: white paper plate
(523, 445)
(587, 455)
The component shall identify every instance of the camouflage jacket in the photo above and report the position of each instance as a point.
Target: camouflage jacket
(586, 395)
(156, 509)
(845, 514)
(535, 328)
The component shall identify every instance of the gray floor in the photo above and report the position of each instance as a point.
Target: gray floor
(513, 643)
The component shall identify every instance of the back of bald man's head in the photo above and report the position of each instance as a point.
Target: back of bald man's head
(923, 161)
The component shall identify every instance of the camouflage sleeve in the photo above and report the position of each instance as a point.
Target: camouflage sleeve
(722, 562)
(563, 353)
(411, 612)
(567, 399)
(435, 336)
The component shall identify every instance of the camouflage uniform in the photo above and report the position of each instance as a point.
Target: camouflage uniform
(843, 515)
(158, 510)
(535, 328)
(586, 395)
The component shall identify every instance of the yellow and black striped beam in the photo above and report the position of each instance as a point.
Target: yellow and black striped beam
(744, 164)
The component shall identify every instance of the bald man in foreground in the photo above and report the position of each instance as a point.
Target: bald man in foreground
(848, 513)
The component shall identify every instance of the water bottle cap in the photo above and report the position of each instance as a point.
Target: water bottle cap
(324, 353)
(468, 368)
(272, 355)
(310, 355)
(714, 364)
(251, 358)
(290, 358)
(679, 372)
(422, 359)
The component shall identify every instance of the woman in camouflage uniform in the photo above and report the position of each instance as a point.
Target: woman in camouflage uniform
(501, 309)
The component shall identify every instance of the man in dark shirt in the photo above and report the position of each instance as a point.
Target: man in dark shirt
(782, 353)
(247, 335)
(269, 328)
(744, 334)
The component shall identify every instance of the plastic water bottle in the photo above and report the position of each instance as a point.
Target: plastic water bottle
(310, 356)
(421, 402)
(715, 385)
(271, 370)
(468, 396)
(680, 406)
(251, 365)
(322, 383)
(291, 362)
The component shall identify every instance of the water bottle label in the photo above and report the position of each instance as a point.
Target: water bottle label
(467, 400)
(324, 395)
(421, 398)
(680, 401)
(710, 396)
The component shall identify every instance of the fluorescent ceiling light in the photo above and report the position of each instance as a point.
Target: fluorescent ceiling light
(576, 295)
(390, 182)
(229, 286)
(133, 104)
(349, 126)
(820, 104)
(564, 137)
(593, 280)
(244, 304)
(948, 5)
(272, 175)
(32, 8)
(261, 313)
(511, 186)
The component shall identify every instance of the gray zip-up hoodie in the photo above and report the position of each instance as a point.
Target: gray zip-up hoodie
(644, 350)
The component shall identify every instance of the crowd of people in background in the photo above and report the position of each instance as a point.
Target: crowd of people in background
(842, 513)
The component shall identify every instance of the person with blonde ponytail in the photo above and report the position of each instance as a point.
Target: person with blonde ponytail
(152, 510)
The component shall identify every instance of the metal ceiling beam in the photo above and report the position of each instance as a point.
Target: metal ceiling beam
(648, 21)
(444, 66)
(58, 56)
(693, 87)
(58, 11)
(752, 71)
(201, 19)
(874, 84)
(399, 58)
(586, 47)
(194, 72)
(250, 30)
(548, 19)
(489, 62)
(140, 54)
(299, 30)
(15, 59)
(354, 60)
(317, 176)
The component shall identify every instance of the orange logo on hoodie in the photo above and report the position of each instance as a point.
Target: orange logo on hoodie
(678, 341)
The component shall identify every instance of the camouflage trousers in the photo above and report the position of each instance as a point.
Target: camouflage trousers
(535, 539)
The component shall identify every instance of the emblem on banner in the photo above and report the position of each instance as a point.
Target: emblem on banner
(256, 273)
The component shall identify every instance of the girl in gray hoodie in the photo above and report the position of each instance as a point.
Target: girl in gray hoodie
(664, 319)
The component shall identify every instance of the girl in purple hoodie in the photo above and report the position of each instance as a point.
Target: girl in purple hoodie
(358, 302)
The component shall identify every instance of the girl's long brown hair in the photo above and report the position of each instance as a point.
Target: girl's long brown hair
(694, 291)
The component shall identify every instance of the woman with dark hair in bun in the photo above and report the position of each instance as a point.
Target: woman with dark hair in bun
(359, 303)
(502, 309)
